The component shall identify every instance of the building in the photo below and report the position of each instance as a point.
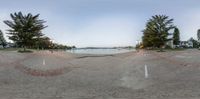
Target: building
(186, 44)
(183, 44)
(170, 44)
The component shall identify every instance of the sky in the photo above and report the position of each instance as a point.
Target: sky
(103, 23)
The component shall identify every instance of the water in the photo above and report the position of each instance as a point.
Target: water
(100, 51)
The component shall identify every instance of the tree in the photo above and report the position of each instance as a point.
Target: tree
(157, 31)
(176, 36)
(195, 42)
(147, 39)
(2, 40)
(44, 43)
(25, 29)
(198, 34)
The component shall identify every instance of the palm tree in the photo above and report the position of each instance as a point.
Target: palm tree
(25, 29)
(158, 28)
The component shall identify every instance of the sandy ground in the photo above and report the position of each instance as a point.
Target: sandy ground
(61, 75)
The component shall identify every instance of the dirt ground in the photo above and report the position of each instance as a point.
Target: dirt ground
(61, 75)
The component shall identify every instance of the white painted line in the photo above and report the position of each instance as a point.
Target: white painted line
(44, 62)
(146, 71)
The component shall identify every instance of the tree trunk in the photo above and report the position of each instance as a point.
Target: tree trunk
(4, 46)
(38, 48)
(24, 48)
(161, 48)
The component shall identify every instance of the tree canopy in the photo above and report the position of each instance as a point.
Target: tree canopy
(2, 39)
(195, 42)
(157, 30)
(25, 29)
(198, 34)
(176, 36)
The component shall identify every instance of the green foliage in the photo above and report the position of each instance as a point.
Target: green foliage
(26, 51)
(24, 29)
(2, 39)
(195, 42)
(198, 34)
(60, 46)
(43, 43)
(157, 31)
(176, 36)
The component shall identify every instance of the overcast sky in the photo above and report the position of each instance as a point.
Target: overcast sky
(104, 23)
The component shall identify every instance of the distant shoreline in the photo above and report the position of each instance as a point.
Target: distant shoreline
(128, 47)
(100, 50)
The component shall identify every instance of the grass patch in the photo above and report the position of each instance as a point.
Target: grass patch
(26, 51)
(167, 49)
(10, 49)
(161, 51)
(21, 50)
(176, 49)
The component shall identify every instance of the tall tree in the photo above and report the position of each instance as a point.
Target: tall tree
(2, 39)
(25, 29)
(157, 31)
(198, 34)
(176, 36)
(195, 42)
